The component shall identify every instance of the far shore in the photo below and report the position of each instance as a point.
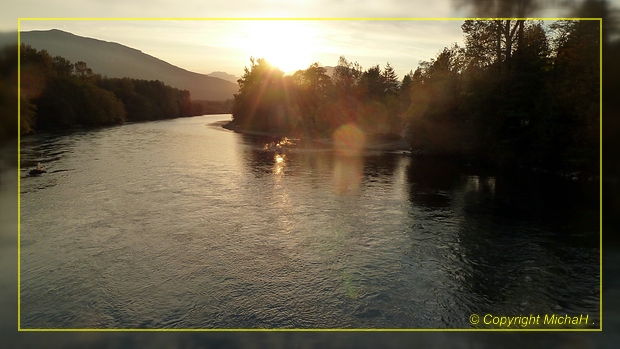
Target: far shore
(400, 145)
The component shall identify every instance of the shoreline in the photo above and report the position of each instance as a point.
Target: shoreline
(400, 145)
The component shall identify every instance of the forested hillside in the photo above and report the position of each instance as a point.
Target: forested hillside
(56, 93)
(114, 60)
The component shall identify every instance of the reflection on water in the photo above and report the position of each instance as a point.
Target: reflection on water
(347, 173)
(178, 224)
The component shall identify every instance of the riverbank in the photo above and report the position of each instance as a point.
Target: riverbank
(375, 143)
(390, 143)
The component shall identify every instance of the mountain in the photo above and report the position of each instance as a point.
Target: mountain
(224, 76)
(329, 71)
(117, 61)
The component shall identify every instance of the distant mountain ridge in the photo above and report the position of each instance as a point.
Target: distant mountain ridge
(224, 76)
(118, 61)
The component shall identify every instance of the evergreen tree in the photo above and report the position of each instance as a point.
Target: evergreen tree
(390, 80)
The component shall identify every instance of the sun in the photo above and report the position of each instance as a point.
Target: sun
(286, 44)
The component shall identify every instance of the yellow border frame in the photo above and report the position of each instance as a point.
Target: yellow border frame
(20, 329)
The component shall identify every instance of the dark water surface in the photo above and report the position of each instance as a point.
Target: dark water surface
(184, 224)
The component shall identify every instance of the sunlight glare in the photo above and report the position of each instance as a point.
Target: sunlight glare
(286, 44)
(278, 167)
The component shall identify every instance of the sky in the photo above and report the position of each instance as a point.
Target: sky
(205, 46)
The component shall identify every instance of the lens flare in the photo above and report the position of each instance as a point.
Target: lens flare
(349, 138)
(349, 141)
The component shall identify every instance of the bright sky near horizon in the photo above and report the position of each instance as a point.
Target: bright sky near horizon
(205, 46)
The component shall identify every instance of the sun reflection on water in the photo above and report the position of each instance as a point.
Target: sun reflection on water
(280, 163)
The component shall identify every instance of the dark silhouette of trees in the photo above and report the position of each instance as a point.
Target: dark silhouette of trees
(373, 83)
(520, 93)
(390, 81)
(493, 42)
(346, 78)
(63, 66)
(27, 112)
(309, 91)
(261, 101)
(58, 94)
(8, 92)
(433, 110)
(82, 71)
(68, 102)
(576, 93)
(314, 79)
(528, 119)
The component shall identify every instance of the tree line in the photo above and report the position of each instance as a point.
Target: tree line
(519, 93)
(56, 93)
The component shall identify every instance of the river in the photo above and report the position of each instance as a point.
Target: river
(184, 224)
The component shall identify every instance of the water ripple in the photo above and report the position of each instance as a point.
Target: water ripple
(175, 224)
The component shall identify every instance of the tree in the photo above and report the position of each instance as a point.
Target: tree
(314, 78)
(492, 42)
(407, 82)
(82, 70)
(576, 93)
(69, 101)
(8, 91)
(311, 90)
(97, 106)
(433, 111)
(63, 66)
(373, 83)
(261, 101)
(390, 79)
(346, 78)
(57, 93)
(27, 112)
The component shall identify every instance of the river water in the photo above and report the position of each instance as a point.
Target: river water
(183, 224)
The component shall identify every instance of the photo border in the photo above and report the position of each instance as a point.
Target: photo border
(20, 329)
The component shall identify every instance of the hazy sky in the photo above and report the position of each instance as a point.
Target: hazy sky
(207, 46)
